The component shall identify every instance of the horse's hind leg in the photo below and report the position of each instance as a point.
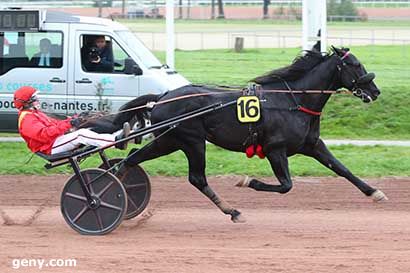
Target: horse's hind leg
(320, 152)
(195, 154)
(279, 163)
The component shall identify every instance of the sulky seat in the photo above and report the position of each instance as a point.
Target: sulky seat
(65, 155)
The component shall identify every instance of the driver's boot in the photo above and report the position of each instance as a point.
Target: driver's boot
(126, 129)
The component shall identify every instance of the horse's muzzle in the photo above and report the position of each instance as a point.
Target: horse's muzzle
(359, 92)
(362, 95)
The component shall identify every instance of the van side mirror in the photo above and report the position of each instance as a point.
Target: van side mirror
(130, 67)
(137, 70)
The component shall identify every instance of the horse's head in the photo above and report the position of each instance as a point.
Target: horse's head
(354, 76)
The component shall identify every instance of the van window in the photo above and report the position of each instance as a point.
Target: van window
(30, 49)
(145, 56)
(102, 54)
(119, 57)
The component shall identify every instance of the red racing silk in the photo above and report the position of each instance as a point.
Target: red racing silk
(40, 131)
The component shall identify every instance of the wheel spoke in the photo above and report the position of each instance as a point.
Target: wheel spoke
(81, 213)
(99, 220)
(134, 186)
(101, 193)
(76, 196)
(132, 202)
(106, 205)
(87, 181)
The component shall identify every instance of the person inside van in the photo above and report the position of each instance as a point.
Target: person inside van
(98, 56)
(51, 136)
(45, 58)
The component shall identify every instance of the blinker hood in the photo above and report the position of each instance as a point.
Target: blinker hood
(366, 78)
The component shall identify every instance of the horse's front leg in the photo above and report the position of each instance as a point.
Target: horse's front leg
(196, 160)
(320, 152)
(279, 163)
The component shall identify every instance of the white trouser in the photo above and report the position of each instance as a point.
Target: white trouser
(84, 136)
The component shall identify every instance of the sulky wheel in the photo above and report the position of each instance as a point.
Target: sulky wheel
(107, 210)
(136, 183)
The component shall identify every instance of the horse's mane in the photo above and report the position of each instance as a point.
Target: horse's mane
(296, 70)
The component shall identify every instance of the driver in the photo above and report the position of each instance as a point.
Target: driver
(51, 136)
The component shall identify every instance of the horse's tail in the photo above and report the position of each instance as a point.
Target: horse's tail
(127, 116)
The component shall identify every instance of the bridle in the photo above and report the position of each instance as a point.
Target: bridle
(356, 81)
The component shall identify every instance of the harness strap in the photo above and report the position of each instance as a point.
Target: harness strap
(251, 144)
(298, 106)
(308, 111)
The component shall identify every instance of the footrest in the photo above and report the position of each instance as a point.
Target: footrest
(64, 155)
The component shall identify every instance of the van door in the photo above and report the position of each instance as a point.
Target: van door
(37, 59)
(100, 82)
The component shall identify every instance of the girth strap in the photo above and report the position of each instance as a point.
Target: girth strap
(251, 144)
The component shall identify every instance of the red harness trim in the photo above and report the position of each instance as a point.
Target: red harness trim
(250, 151)
(308, 111)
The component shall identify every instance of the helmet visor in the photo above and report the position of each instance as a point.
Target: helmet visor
(34, 97)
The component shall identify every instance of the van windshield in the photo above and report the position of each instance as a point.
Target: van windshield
(146, 56)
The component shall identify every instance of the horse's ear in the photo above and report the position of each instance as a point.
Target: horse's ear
(337, 51)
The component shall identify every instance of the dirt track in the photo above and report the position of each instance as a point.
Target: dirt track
(323, 225)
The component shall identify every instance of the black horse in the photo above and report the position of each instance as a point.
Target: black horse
(289, 124)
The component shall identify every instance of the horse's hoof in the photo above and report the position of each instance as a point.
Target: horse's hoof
(378, 196)
(243, 183)
(237, 217)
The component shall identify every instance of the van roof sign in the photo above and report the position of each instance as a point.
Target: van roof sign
(61, 17)
(21, 20)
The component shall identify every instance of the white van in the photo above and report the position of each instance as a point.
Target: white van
(50, 51)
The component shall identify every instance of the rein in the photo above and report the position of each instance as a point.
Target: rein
(298, 107)
(152, 104)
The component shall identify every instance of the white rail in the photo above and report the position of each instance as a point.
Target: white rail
(118, 3)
